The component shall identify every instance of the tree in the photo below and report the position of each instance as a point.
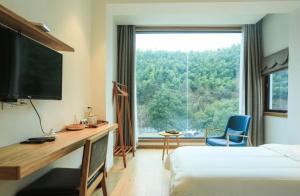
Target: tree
(187, 90)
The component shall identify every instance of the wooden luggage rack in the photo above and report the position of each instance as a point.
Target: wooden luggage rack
(122, 147)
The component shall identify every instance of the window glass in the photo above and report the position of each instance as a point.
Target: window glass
(278, 91)
(186, 81)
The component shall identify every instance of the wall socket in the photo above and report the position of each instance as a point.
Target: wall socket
(19, 103)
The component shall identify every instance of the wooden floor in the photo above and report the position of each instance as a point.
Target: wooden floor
(144, 176)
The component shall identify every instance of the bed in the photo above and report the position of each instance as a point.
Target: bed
(270, 169)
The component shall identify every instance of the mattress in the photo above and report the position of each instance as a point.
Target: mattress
(271, 169)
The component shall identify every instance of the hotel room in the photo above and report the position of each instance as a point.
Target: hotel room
(149, 97)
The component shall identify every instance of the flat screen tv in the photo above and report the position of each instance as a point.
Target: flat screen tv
(28, 68)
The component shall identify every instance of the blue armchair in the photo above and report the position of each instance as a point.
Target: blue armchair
(235, 134)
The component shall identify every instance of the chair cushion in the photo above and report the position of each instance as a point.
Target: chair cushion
(222, 142)
(57, 182)
(235, 132)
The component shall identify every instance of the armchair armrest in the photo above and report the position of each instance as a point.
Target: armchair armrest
(210, 129)
(243, 136)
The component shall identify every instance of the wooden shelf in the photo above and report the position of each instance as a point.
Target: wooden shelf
(18, 23)
(20, 160)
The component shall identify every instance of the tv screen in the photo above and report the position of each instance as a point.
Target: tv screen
(29, 68)
(40, 71)
(8, 44)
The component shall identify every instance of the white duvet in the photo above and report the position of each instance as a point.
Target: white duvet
(270, 169)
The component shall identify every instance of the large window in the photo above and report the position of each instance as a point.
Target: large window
(186, 81)
(277, 92)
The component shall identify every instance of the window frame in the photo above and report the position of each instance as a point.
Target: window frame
(267, 110)
(140, 29)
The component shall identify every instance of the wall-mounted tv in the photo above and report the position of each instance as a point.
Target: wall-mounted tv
(28, 68)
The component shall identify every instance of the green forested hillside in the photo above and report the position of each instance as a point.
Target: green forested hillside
(187, 90)
(279, 90)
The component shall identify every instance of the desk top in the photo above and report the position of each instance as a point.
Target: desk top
(20, 160)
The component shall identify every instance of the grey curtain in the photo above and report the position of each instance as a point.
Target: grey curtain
(253, 80)
(125, 69)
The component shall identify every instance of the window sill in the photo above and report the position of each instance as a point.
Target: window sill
(158, 140)
(158, 143)
(276, 114)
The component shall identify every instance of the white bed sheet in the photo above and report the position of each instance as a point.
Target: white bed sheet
(270, 169)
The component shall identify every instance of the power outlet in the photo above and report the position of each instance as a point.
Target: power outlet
(20, 103)
(10, 105)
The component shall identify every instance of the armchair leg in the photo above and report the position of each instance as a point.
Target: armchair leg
(250, 142)
(227, 140)
(205, 136)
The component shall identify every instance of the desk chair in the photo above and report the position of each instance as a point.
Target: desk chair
(235, 133)
(71, 182)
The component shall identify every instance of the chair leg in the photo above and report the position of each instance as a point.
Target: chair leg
(164, 148)
(250, 142)
(227, 140)
(103, 186)
(205, 136)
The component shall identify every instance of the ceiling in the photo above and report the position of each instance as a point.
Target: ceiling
(201, 13)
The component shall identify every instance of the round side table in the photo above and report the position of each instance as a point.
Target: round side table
(166, 140)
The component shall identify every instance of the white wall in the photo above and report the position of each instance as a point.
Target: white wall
(275, 33)
(98, 57)
(286, 130)
(103, 65)
(69, 20)
(275, 38)
(275, 128)
(292, 133)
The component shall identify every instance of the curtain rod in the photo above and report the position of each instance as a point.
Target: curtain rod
(188, 29)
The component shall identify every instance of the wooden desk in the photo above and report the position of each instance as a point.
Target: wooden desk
(20, 160)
